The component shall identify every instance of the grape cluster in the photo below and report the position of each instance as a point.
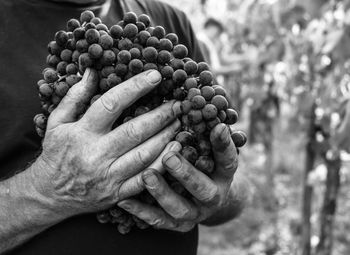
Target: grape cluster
(120, 52)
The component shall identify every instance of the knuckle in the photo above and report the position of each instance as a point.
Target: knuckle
(143, 157)
(110, 102)
(231, 166)
(131, 132)
(183, 214)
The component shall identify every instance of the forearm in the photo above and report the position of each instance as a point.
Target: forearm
(237, 199)
(24, 211)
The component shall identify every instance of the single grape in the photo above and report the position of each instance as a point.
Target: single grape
(190, 67)
(140, 26)
(106, 42)
(209, 112)
(121, 69)
(220, 102)
(232, 116)
(206, 78)
(190, 154)
(179, 76)
(72, 79)
(153, 42)
(96, 20)
(202, 66)
(116, 31)
(136, 66)
(40, 120)
(86, 16)
(101, 27)
(165, 44)
(108, 58)
(198, 102)
(144, 19)
(177, 64)
(90, 25)
(130, 17)
(72, 68)
(150, 54)
(205, 164)
(185, 138)
(239, 138)
(159, 32)
(61, 38)
(180, 51)
(61, 88)
(71, 44)
(53, 60)
(135, 53)
(113, 80)
(124, 57)
(207, 92)
(72, 24)
(45, 90)
(79, 33)
(92, 36)
(50, 75)
(95, 51)
(164, 57)
(85, 60)
(167, 72)
(195, 116)
(82, 45)
(54, 48)
(143, 36)
(190, 83)
(75, 56)
(219, 90)
(130, 31)
(173, 38)
(103, 85)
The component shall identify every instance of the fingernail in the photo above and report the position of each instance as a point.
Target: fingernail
(154, 77)
(173, 162)
(150, 179)
(125, 205)
(224, 135)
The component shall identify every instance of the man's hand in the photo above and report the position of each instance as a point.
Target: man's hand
(87, 165)
(211, 196)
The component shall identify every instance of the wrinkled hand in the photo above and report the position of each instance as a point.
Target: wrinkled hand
(209, 194)
(86, 165)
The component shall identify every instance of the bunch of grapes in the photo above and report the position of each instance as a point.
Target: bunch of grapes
(120, 52)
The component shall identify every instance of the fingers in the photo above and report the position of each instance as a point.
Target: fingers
(196, 182)
(171, 202)
(225, 153)
(104, 112)
(73, 104)
(154, 216)
(135, 185)
(138, 130)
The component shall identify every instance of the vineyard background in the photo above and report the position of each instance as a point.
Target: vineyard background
(291, 101)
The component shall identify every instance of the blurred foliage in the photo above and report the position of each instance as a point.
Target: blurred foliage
(303, 60)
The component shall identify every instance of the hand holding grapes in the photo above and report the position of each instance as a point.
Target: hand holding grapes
(87, 162)
(208, 195)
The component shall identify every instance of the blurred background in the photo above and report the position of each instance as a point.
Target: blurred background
(286, 65)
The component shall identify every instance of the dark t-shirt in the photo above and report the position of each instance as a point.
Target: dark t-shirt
(26, 27)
